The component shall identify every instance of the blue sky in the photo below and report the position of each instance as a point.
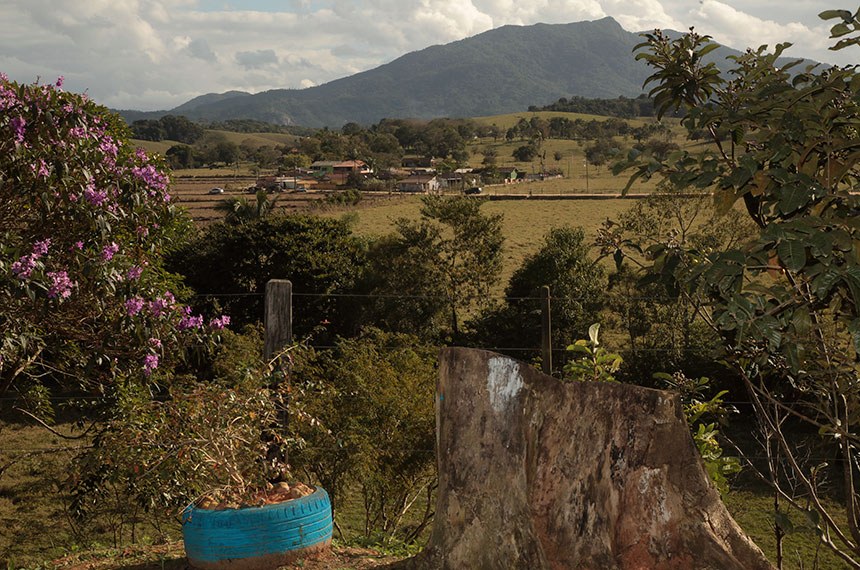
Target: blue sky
(156, 54)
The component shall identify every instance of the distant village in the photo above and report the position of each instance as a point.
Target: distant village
(415, 175)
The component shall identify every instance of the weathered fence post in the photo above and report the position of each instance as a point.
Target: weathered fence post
(278, 323)
(278, 317)
(545, 331)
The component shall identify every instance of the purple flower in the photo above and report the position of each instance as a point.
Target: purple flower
(150, 176)
(40, 248)
(142, 231)
(150, 363)
(133, 306)
(18, 125)
(189, 322)
(155, 342)
(134, 272)
(162, 305)
(79, 245)
(93, 196)
(60, 80)
(109, 251)
(219, 323)
(61, 285)
(23, 268)
(41, 169)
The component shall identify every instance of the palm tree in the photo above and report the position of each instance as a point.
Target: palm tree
(240, 210)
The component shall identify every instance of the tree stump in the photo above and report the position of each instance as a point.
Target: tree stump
(539, 474)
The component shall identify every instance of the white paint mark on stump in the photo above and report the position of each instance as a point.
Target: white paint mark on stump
(504, 382)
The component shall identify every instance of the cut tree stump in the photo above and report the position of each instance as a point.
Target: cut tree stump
(539, 474)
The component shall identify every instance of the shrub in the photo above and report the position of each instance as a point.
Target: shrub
(84, 218)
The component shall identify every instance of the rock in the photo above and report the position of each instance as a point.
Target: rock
(539, 474)
(300, 490)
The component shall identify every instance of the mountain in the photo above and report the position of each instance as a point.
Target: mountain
(207, 99)
(499, 71)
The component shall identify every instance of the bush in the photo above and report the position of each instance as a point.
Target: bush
(86, 303)
(372, 403)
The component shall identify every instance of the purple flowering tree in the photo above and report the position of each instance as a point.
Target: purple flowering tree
(84, 219)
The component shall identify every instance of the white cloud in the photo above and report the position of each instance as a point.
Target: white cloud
(151, 54)
(732, 27)
(256, 59)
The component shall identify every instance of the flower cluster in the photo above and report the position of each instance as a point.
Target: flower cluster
(92, 216)
(61, 285)
(23, 268)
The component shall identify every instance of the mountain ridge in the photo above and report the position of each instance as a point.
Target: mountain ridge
(503, 70)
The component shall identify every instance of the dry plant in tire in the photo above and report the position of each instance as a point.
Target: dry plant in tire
(211, 444)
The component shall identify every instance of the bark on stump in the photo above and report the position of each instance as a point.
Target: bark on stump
(539, 474)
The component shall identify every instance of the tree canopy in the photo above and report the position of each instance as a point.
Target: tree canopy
(784, 142)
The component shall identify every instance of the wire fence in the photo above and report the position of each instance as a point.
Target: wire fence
(5, 400)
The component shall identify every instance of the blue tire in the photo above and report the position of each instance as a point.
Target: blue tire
(257, 537)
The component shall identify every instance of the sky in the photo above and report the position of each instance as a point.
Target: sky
(157, 54)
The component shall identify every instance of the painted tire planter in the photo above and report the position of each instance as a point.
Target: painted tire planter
(257, 538)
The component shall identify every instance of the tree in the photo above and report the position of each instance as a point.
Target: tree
(295, 160)
(180, 129)
(233, 263)
(526, 152)
(459, 248)
(664, 329)
(601, 151)
(405, 284)
(788, 304)
(85, 302)
(239, 210)
(576, 285)
(180, 156)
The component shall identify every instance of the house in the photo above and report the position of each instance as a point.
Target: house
(458, 180)
(508, 173)
(322, 167)
(420, 183)
(351, 166)
(451, 180)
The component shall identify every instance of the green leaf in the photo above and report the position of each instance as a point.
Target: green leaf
(708, 49)
(784, 523)
(792, 198)
(830, 14)
(792, 254)
(839, 30)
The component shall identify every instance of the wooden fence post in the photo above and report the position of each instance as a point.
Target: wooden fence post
(278, 323)
(278, 317)
(545, 331)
